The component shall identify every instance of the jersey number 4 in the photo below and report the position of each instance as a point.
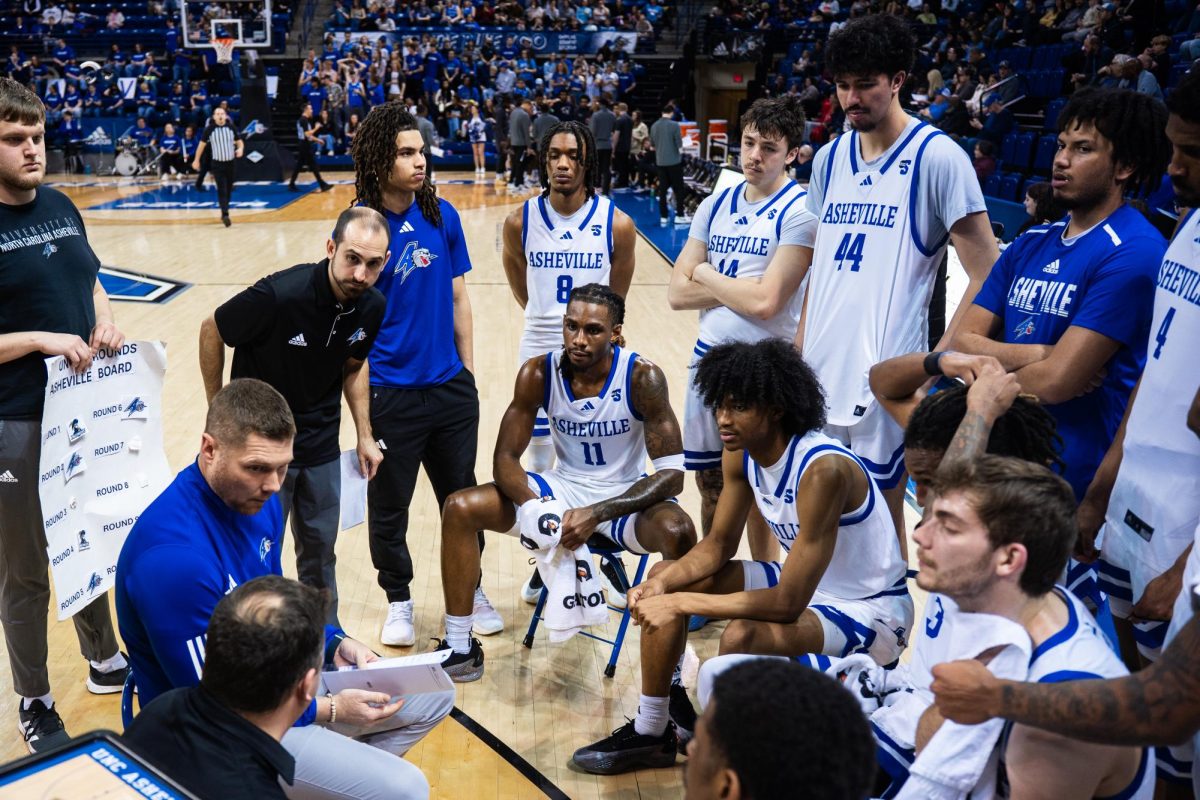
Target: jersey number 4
(851, 249)
(1160, 338)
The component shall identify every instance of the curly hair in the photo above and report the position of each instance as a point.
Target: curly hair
(1184, 101)
(374, 154)
(1025, 431)
(584, 141)
(777, 118)
(766, 374)
(812, 714)
(1134, 123)
(868, 46)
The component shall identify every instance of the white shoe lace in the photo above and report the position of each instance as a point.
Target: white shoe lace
(399, 612)
(481, 601)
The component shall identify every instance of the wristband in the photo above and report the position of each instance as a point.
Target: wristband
(933, 365)
(332, 707)
(668, 462)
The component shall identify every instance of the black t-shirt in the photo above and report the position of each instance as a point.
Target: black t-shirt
(624, 127)
(47, 275)
(289, 330)
(210, 750)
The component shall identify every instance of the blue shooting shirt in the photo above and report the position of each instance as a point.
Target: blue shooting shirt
(415, 347)
(1104, 281)
(186, 551)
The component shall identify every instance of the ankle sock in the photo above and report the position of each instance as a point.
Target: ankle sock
(47, 701)
(458, 633)
(110, 664)
(652, 715)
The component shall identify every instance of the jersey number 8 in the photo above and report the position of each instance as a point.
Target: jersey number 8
(565, 284)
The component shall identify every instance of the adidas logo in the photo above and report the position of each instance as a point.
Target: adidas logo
(742, 221)
(298, 340)
(8, 477)
(406, 228)
(566, 235)
(1051, 268)
(587, 406)
(865, 181)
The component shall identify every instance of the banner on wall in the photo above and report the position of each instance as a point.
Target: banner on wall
(540, 42)
(102, 463)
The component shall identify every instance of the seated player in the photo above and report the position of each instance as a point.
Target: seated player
(609, 414)
(842, 590)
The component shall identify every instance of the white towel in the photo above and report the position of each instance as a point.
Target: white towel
(960, 760)
(574, 600)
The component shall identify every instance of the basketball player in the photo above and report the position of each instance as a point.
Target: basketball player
(825, 510)
(888, 197)
(742, 267)
(609, 413)
(567, 236)
(226, 144)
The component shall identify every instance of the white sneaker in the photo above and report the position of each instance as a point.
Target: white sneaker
(398, 628)
(609, 580)
(532, 589)
(686, 219)
(487, 620)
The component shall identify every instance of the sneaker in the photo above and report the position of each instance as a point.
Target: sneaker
(42, 727)
(663, 220)
(107, 682)
(696, 622)
(398, 628)
(293, 187)
(225, 220)
(325, 187)
(532, 589)
(463, 667)
(486, 620)
(626, 750)
(683, 715)
(685, 219)
(612, 581)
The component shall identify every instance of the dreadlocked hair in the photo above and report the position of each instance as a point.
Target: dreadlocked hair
(1025, 431)
(584, 141)
(374, 154)
(1135, 124)
(766, 374)
(601, 295)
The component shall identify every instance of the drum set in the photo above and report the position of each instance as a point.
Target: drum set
(135, 159)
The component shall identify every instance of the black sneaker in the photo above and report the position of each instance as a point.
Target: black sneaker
(682, 714)
(532, 589)
(42, 727)
(463, 667)
(225, 220)
(614, 580)
(626, 749)
(107, 682)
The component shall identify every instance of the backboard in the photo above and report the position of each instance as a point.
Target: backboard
(247, 22)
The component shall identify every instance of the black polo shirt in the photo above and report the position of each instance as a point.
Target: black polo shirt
(47, 276)
(208, 749)
(290, 331)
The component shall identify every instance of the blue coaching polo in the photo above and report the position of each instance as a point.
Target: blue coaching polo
(1102, 280)
(415, 347)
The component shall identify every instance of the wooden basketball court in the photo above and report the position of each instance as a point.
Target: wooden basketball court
(534, 706)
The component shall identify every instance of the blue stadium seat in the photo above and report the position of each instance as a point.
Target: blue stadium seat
(1008, 146)
(991, 186)
(1053, 108)
(1043, 160)
(1010, 186)
(1022, 153)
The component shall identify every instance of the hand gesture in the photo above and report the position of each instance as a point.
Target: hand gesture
(962, 689)
(359, 707)
(967, 368)
(656, 612)
(578, 525)
(993, 393)
(75, 350)
(369, 457)
(353, 653)
(652, 587)
(106, 334)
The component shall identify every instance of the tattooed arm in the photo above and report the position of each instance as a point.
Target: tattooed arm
(1158, 706)
(663, 438)
(990, 396)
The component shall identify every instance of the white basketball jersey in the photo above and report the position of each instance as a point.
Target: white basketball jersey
(561, 253)
(872, 276)
(597, 439)
(742, 239)
(866, 558)
(1155, 502)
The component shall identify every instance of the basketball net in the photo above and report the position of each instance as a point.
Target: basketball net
(224, 48)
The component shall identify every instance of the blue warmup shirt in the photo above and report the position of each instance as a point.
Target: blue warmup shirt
(415, 347)
(1103, 281)
(185, 552)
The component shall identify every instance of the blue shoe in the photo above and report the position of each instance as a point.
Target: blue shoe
(696, 623)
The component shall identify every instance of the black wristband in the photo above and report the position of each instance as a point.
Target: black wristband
(933, 364)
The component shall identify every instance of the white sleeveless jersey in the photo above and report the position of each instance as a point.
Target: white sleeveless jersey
(597, 439)
(1155, 501)
(561, 253)
(866, 560)
(1079, 651)
(872, 274)
(742, 240)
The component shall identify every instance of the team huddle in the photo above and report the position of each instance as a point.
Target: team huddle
(1052, 433)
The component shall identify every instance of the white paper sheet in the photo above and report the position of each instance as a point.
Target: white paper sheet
(354, 491)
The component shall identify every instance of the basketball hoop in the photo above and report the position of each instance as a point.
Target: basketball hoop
(224, 47)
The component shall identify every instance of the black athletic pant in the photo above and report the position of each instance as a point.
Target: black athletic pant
(205, 167)
(621, 167)
(305, 160)
(437, 428)
(516, 175)
(604, 168)
(222, 172)
(671, 176)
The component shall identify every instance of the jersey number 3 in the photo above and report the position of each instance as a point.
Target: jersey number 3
(851, 249)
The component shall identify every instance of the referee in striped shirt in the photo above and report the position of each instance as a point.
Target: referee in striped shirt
(226, 145)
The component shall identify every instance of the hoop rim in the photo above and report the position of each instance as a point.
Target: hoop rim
(224, 47)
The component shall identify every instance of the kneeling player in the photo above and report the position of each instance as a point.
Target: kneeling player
(841, 590)
(609, 414)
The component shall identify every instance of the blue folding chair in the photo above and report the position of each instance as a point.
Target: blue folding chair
(127, 700)
(610, 552)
